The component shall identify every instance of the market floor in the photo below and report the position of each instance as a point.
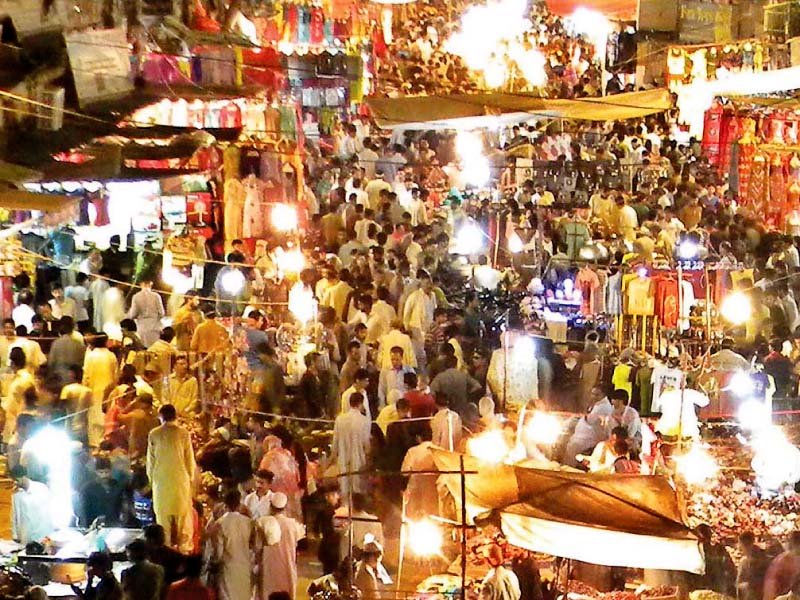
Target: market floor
(309, 568)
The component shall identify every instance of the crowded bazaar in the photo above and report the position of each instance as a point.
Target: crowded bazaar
(348, 299)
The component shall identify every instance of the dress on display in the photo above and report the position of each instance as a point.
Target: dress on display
(758, 188)
(777, 190)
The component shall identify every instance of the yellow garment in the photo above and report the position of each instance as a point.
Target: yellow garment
(14, 402)
(755, 324)
(209, 337)
(741, 280)
(182, 393)
(336, 298)
(640, 298)
(171, 468)
(99, 374)
(622, 379)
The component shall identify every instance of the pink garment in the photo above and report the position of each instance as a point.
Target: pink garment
(589, 284)
(283, 465)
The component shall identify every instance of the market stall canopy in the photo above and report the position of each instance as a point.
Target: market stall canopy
(621, 10)
(467, 111)
(613, 520)
(11, 173)
(13, 199)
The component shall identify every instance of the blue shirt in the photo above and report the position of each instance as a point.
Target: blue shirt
(255, 338)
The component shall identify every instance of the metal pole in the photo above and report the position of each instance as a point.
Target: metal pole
(507, 336)
(680, 331)
(350, 530)
(708, 304)
(463, 528)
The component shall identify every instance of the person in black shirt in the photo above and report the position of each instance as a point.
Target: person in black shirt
(781, 369)
(101, 497)
(101, 583)
(172, 561)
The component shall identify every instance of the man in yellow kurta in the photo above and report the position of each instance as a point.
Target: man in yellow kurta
(183, 388)
(14, 401)
(170, 468)
(99, 375)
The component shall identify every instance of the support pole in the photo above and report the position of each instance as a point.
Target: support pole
(463, 528)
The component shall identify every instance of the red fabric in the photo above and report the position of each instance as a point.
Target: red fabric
(262, 66)
(420, 404)
(378, 42)
(230, 116)
(290, 23)
(317, 29)
(712, 134)
(200, 19)
(731, 130)
(666, 304)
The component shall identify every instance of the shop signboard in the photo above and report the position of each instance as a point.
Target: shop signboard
(706, 22)
(101, 64)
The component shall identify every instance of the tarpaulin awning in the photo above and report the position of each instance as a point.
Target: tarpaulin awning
(467, 111)
(620, 10)
(613, 520)
(25, 200)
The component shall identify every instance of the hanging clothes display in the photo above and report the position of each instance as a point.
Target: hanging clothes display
(588, 283)
(254, 215)
(234, 199)
(758, 190)
(712, 134)
(777, 190)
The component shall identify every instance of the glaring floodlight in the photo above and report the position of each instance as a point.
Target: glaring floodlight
(736, 308)
(233, 282)
(425, 538)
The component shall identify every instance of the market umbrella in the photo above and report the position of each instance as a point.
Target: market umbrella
(613, 520)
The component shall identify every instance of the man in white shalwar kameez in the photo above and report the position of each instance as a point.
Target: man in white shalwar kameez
(113, 311)
(171, 468)
(418, 314)
(350, 445)
(233, 539)
(99, 375)
(147, 309)
(97, 289)
(279, 561)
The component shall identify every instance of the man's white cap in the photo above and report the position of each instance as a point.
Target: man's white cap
(279, 500)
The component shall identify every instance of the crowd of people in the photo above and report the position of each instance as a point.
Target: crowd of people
(419, 62)
(407, 354)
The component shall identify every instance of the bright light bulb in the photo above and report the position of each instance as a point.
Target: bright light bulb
(736, 308)
(284, 217)
(232, 282)
(753, 415)
(543, 428)
(776, 461)
(469, 239)
(687, 250)
(697, 467)
(291, 261)
(425, 538)
(489, 447)
(495, 74)
(741, 384)
(302, 303)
